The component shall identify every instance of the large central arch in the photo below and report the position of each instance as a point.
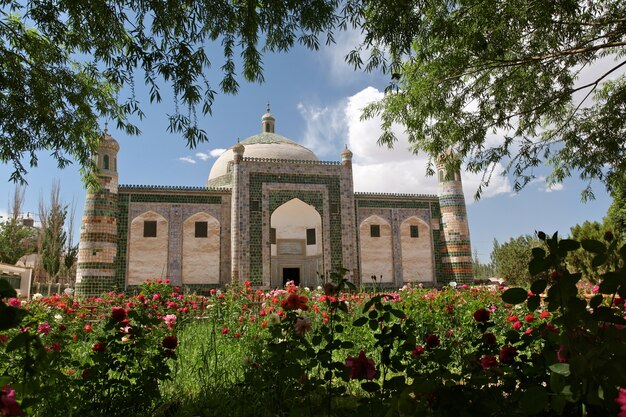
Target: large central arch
(296, 244)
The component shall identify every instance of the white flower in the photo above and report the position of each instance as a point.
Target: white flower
(319, 288)
(37, 296)
(58, 318)
(68, 291)
(273, 319)
(453, 284)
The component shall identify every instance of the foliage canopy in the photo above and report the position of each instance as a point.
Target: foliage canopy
(499, 81)
(63, 64)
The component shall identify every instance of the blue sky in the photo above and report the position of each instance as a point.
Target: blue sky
(316, 99)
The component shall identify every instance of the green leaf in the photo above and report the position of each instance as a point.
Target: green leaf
(539, 286)
(534, 400)
(538, 253)
(360, 321)
(6, 290)
(593, 246)
(18, 341)
(398, 313)
(514, 295)
(533, 302)
(599, 259)
(595, 301)
(569, 244)
(370, 386)
(560, 368)
(537, 266)
(370, 303)
(557, 381)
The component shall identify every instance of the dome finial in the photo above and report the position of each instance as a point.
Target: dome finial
(267, 121)
(106, 127)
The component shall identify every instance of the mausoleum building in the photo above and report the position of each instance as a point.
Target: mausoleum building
(271, 212)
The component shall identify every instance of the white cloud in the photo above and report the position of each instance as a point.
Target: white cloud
(553, 187)
(324, 126)
(376, 168)
(187, 159)
(216, 152)
(213, 153)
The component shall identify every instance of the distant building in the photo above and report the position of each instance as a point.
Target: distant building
(271, 212)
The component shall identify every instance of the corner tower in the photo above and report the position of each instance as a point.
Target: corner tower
(97, 250)
(456, 253)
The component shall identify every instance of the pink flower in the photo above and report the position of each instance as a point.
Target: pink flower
(14, 302)
(170, 320)
(517, 325)
(8, 403)
(87, 328)
(118, 313)
(621, 400)
(595, 288)
(482, 315)
(156, 296)
(225, 330)
(44, 328)
(488, 362)
(301, 326)
(507, 354)
(361, 367)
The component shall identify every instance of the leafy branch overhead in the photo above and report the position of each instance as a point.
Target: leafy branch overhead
(501, 81)
(63, 64)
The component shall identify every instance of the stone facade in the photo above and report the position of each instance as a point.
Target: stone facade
(269, 219)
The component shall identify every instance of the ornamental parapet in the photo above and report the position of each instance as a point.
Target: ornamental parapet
(290, 161)
(394, 195)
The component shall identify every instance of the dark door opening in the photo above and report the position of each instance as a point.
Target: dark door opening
(291, 274)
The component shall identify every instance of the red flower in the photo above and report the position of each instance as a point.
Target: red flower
(118, 313)
(170, 342)
(87, 328)
(512, 319)
(225, 330)
(8, 403)
(419, 349)
(544, 314)
(507, 354)
(517, 325)
(482, 315)
(361, 367)
(489, 338)
(99, 347)
(432, 341)
(488, 362)
(529, 318)
(295, 302)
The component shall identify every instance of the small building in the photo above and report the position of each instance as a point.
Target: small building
(271, 212)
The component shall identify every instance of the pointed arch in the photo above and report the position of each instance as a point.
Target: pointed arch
(201, 249)
(147, 247)
(376, 249)
(417, 250)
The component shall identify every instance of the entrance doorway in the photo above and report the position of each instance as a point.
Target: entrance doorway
(291, 274)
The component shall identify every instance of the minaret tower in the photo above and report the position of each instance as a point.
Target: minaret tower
(456, 253)
(97, 249)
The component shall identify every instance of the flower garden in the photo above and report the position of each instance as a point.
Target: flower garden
(558, 348)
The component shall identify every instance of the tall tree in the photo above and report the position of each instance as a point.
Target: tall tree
(511, 258)
(53, 235)
(16, 239)
(464, 70)
(63, 63)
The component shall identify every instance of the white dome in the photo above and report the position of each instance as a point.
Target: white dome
(263, 145)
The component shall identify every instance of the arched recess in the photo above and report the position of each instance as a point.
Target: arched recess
(417, 251)
(296, 241)
(147, 248)
(376, 250)
(201, 249)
